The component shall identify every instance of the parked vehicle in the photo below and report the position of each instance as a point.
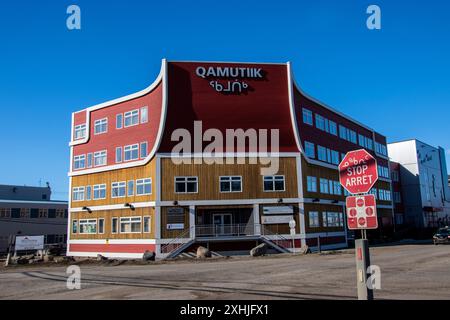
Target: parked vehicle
(442, 236)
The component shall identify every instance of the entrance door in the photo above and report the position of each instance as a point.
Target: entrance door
(222, 224)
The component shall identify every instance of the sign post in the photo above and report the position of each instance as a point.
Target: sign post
(358, 174)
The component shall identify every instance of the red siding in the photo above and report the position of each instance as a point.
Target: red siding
(264, 106)
(112, 248)
(146, 132)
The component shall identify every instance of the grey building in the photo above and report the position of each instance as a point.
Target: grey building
(29, 211)
(424, 182)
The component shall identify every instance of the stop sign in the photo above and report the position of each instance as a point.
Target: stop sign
(358, 171)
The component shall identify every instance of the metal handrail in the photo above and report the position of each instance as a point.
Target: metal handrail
(242, 229)
(279, 239)
(175, 243)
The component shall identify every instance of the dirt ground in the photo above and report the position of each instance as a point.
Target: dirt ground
(407, 272)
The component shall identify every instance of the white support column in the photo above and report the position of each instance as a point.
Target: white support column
(301, 206)
(192, 222)
(256, 220)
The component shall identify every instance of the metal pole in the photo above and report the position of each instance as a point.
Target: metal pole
(318, 245)
(362, 263)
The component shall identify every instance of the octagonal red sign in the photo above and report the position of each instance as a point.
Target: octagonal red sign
(358, 171)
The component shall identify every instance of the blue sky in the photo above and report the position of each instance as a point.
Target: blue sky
(395, 80)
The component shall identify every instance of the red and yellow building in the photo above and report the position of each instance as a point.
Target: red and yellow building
(131, 193)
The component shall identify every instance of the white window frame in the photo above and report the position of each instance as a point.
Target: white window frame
(119, 124)
(131, 148)
(88, 221)
(119, 151)
(79, 190)
(123, 220)
(315, 219)
(74, 221)
(130, 191)
(273, 179)
(100, 123)
(149, 224)
(130, 115)
(112, 225)
(81, 128)
(98, 188)
(118, 185)
(229, 180)
(101, 155)
(79, 158)
(185, 183)
(142, 182)
(98, 226)
(142, 118)
(145, 143)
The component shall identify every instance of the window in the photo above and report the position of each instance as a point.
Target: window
(333, 128)
(337, 188)
(118, 189)
(374, 192)
(397, 197)
(144, 114)
(89, 160)
(114, 225)
(119, 121)
(320, 122)
(311, 184)
(88, 226)
(343, 132)
(130, 188)
(100, 158)
(314, 219)
(273, 183)
(74, 226)
(130, 224)
(5, 212)
(332, 219)
(309, 150)
(78, 194)
(324, 186)
(335, 157)
(101, 225)
(143, 186)
(88, 192)
(398, 218)
(144, 153)
(186, 184)
(101, 126)
(100, 191)
(352, 136)
(231, 184)
(361, 140)
(43, 213)
(380, 148)
(324, 219)
(59, 213)
(80, 131)
(307, 116)
(131, 118)
(79, 162)
(395, 176)
(118, 154)
(146, 224)
(322, 153)
(131, 152)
